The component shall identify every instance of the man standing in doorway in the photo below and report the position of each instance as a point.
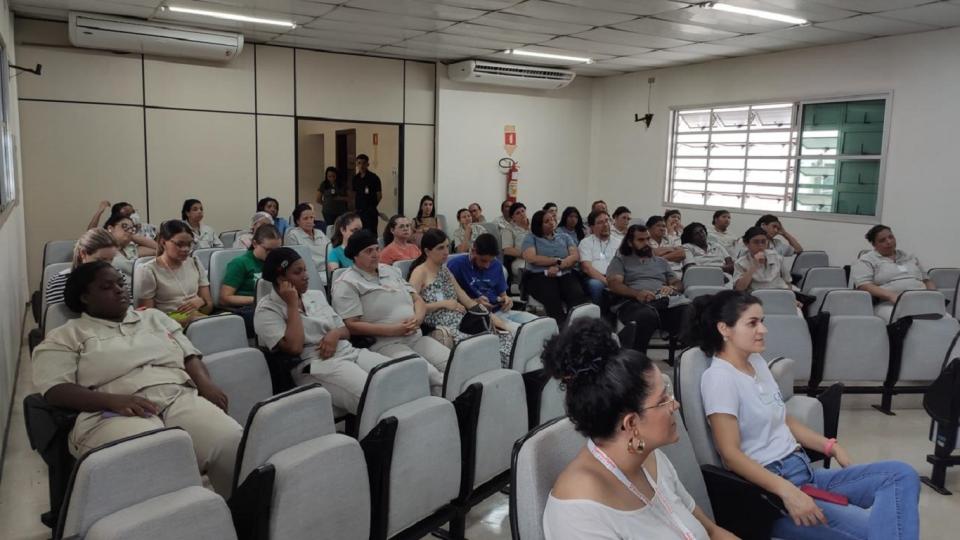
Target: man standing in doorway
(368, 192)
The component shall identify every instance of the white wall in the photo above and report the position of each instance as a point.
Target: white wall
(921, 189)
(553, 144)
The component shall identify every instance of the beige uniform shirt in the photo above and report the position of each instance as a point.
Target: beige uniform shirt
(512, 236)
(901, 273)
(270, 323)
(775, 275)
(725, 239)
(669, 242)
(146, 349)
(317, 244)
(714, 255)
(125, 258)
(168, 288)
(206, 237)
(383, 298)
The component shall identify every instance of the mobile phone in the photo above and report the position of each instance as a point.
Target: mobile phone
(824, 495)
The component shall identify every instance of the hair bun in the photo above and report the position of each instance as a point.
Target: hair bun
(579, 353)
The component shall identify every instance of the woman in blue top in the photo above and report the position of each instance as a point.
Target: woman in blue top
(343, 227)
(272, 207)
(550, 276)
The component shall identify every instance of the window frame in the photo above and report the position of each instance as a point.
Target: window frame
(8, 160)
(798, 104)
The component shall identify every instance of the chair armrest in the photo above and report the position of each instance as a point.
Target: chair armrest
(739, 506)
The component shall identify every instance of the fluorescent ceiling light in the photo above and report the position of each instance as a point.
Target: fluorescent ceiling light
(519, 52)
(754, 12)
(229, 16)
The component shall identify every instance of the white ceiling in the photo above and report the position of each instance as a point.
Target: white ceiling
(620, 35)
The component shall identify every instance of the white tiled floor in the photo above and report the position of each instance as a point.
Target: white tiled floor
(867, 434)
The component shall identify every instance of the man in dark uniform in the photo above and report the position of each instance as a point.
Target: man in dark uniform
(368, 192)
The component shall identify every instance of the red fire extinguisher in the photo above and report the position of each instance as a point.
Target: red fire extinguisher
(512, 171)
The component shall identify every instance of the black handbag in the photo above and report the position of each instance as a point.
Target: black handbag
(476, 320)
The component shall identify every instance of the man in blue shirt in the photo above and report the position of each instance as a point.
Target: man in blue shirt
(481, 276)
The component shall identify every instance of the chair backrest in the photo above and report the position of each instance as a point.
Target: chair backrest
(687, 374)
(263, 288)
(228, 237)
(218, 269)
(918, 303)
(391, 384)
(243, 375)
(584, 311)
(782, 370)
(404, 267)
(695, 291)
(847, 302)
(137, 286)
(203, 255)
(330, 230)
(492, 228)
(787, 331)
(528, 343)
(138, 482)
(468, 359)
(777, 301)
(809, 259)
(710, 276)
(684, 460)
(947, 281)
(442, 222)
(55, 316)
(58, 251)
(217, 333)
(317, 281)
(336, 275)
(822, 277)
(857, 347)
(538, 459)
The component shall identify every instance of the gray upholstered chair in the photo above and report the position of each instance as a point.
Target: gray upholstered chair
(227, 238)
(702, 280)
(318, 280)
(58, 251)
(135, 286)
(263, 288)
(544, 398)
(55, 316)
(583, 311)
(849, 341)
(289, 445)
(217, 333)
(818, 281)
(806, 260)
(404, 267)
(203, 255)
(946, 280)
(243, 375)
(218, 269)
(787, 331)
(143, 487)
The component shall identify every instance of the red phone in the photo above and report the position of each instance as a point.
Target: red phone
(824, 495)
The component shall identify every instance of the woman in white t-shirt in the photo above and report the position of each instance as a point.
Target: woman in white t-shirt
(757, 440)
(619, 486)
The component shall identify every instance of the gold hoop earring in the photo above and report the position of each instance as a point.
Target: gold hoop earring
(635, 445)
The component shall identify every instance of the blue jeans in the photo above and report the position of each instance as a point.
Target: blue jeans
(515, 318)
(595, 289)
(883, 497)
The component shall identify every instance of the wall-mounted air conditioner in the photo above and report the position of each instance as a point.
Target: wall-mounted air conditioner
(481, 71)
(93, 31)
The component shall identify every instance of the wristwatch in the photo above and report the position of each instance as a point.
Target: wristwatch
(559, 262)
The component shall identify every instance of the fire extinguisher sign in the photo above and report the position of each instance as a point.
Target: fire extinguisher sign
(509, 139)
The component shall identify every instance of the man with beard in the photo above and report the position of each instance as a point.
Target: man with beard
(651, 292)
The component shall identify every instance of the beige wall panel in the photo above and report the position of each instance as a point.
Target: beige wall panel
(190, 84)
(420, 92)
(75, 155)
(348, 87)
(274, 80)
(418, 168)
(202, 155)
(275, 148)
(38, 32)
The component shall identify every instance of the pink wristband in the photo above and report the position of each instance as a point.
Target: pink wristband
(828, 446)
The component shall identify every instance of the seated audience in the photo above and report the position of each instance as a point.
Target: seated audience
(426, 218)
(700, 250)
(571, 224)
(621, 221)
(618, 400)
(466, 232)
(124, 209)
(477, 213)
(239, 289)
(130, 246)
(786, 246)
(886, 271)
(759, 441)
(343, 228)
(481, 276)
(650, 288)
(175, 282)
(503, 220)
(674, 225)
(445, 301)
(550, 274)
(272, 207)
(128, 372)
(663, 246)
(299, 322)
(332, 195)
(760, 267)
(245, 239)
(599, 206)
(374, 300)
(719, 232)
(306, 234)
(512, 237)
(397, 244)
(93, 245)
(203, 235)
(596, 252)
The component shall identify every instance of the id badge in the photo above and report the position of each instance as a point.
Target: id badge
(901, 268)
(333, 191)
(366, 191)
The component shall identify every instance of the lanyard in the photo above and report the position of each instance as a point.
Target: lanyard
(670, 516)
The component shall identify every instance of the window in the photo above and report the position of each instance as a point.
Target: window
(823, 157)
(8, 182)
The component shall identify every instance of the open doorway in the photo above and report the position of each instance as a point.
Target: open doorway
(322, 144)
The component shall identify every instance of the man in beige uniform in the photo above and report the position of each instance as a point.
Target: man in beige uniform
(129, 372)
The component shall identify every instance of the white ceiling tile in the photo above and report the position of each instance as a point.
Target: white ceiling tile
(594, 47)
(670, 29)
(379, 18)
(641, 62)
(722, 20)
(871, 6)
(685, 57)
(311, 43)
(760, 42)
(342, 26)
(616, 66)
(335, 36)
(812, 34)
(594, 71)
(572, 14)
(714, 49)
(804, 9)
(609, 35)
(465, 41)
(417, 8)
(439, 48)
(488, 5)
(646, 7)
(874, 25)
(489, 32)
(942, 14)
(510, 21)
(445, 53)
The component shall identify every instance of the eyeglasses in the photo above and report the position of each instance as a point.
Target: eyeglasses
(668, 403)
(184, 245)
(402, 225)
(128, 228)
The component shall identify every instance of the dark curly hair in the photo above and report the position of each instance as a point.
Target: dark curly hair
(875, 231)
(709, 310)
(78, 281)
(603, 382)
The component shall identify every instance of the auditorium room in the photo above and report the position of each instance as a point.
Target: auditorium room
(486, 269)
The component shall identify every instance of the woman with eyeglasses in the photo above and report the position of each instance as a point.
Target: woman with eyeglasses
(124, 232)
(398, 241)
(619, 486)
(175, 282)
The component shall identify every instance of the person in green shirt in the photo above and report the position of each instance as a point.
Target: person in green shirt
(239, 289)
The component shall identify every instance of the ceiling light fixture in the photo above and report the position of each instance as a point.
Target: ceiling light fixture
(548, 56)
(754, 12)
(228, 16)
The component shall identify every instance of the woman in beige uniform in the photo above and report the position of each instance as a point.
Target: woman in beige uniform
(129, 372)
(374, 300)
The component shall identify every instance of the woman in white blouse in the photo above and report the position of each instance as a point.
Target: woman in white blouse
(619, 486)
(304, 234)
(203, 235)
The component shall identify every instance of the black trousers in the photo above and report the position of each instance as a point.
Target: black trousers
(649, 319)
(370, 219)
(556, 292)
